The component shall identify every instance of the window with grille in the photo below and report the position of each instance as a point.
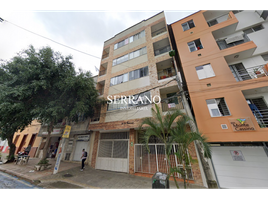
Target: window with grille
(67, 156)
(217, 107)
(253, 29)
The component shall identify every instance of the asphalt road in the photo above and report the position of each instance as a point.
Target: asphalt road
(10, 182)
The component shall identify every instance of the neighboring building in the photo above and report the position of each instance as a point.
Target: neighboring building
(135, 62)
(3, 146)
(224, 56)
(79, 139)
(28, 137)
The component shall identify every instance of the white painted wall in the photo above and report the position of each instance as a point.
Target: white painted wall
(247, 18)
(259, 95)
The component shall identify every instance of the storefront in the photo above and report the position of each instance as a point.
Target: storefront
(82, 142)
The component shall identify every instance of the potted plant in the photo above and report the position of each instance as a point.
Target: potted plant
(43, 164)
(256, 71)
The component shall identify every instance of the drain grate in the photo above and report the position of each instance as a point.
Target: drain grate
(67, 175)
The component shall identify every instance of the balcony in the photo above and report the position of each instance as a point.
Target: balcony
(241, 73)
(103, 69)
(161, 47)
(219, 19)
(233, 41)
(165, 69)
(100, 87)
(158, 29)
(100, 91)
(171, 103)
(105, 53)
(257, 99)
(170, 99)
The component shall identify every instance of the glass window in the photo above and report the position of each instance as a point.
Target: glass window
(195, 45)
(188, 25)
(217, 107)
(116, 46)
(131, 39)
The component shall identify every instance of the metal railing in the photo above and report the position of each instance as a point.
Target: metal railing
(102, 72)
(261, 117)
(250, 73)
(156, 160)
(159, 31)
(223, 45)
(163, 74)
(162, 50)
(171, 103)
(219, 19)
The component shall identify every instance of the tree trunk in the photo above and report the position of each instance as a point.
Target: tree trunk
(12, 149)
(50, 129)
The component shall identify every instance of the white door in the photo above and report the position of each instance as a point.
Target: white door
(241, 167)
(113, 153)
(80, 145)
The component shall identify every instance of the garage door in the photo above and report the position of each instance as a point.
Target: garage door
(241, 167)
(80, 145)
(113, 152)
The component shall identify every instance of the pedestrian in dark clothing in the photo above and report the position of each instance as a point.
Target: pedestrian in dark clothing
(83, 157)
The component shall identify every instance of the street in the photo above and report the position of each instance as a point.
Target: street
(11, 182)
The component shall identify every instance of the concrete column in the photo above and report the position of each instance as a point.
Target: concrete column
(95, 149)
(132, 136)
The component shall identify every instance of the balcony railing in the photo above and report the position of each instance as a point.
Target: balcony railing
(223, 45)
(159, 31)
(166, 73)
(243, 74)
(261, 117)
(105, 56)
(171, 103)
(102, 72)
(219, 20)
(162, 50)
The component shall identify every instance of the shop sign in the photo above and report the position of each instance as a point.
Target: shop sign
(55, 132)
(242, 124)
(237, 155)
(66, 131)
(83, 137)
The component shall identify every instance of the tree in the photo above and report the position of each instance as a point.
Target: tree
(45, 86)
(184, 139)
(160, 126)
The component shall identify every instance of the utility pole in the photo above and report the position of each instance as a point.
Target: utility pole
(211, 183)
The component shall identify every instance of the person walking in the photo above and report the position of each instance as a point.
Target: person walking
(83, 157)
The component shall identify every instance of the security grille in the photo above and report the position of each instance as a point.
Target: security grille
(113, 145)
(155, 160)
(67, 156)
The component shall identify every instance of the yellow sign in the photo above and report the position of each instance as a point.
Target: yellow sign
(66, 131)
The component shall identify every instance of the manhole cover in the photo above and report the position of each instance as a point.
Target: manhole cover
(67, 175)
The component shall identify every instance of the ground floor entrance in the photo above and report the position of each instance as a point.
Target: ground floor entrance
(240, 166)
(82, 142)
(154, 159)
(113, 152)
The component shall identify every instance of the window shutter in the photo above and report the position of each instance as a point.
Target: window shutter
(192, 46)
(208, 71)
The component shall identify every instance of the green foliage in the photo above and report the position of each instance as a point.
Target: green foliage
(172, 128)
(42, 85)
(43, 162)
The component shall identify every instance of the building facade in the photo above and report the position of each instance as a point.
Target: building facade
(135, 62)
(224, 56)
(28, 136)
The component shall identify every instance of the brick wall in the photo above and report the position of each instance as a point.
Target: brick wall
(95, 149)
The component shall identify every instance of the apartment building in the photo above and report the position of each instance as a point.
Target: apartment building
(223, 57)
(136, 63)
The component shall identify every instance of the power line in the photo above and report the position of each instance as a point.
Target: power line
(1, 20)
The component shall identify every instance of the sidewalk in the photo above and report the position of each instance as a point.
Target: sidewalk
(70, 176)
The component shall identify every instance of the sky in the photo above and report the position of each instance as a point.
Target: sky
(83, 30)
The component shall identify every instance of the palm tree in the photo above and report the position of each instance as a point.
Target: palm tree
(172, 128)
(160, 126)
(184, 139)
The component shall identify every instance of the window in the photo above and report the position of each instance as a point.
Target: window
(119, 79)
(195, 45)
(253, 29)
(217, 107)
(138, 73)
(129, 40)
(204, 71)
(265, 57)
(120, 60)
(188, 25)
(137, 53)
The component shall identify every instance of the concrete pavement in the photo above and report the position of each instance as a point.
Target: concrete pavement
(70, 176)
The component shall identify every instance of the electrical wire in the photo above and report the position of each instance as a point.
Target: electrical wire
(52, 40)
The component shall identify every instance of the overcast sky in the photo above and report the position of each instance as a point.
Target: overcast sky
(85, 31)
